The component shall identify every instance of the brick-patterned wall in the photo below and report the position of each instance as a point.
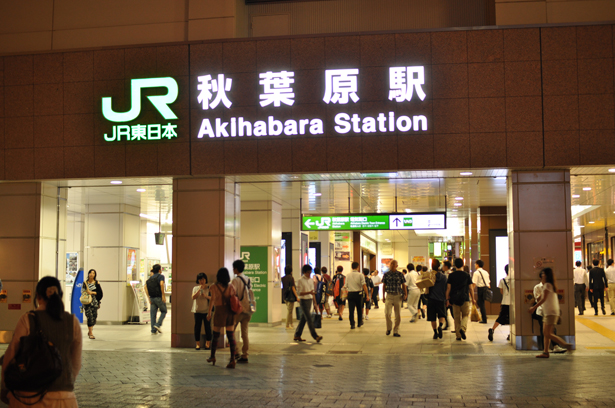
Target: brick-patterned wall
(486, 90)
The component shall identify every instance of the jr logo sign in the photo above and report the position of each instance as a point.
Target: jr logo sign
(160, 102)
(139, 132)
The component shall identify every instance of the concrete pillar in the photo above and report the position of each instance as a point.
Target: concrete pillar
(31, 246)
(111, 231)
(418, 247)
(539, 229)
(261, 225)
(291, 222)
(206, 215)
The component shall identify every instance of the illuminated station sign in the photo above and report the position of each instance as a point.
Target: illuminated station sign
(356, 222)
(275, 90)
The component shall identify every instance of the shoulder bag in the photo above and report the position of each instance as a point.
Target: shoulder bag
(235, 303)
(290, 295)
(85, 298)
(249, 304)
(36, 365)
(488, 292)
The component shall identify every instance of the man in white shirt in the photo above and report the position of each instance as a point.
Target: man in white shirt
(581, 281)
(414, 293)
(377, 282)
(610, 277)
(481, 280)
(355, 284)
(305, 290)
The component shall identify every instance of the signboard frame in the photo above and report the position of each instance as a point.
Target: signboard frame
(379, 215)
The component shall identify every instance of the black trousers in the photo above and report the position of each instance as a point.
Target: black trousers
(198, 319)
(598, 295)
(481, 303)
(375, 295)
(579, 296)
(355, 301)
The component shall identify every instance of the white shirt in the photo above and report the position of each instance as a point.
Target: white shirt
(355, 281)
(200, 304)
(580, 276)
(411, 278)
(305, 285)
(478, 281)
(537, 294)
(610, 274)
(377, 280)
(551, 306)
(505, 290)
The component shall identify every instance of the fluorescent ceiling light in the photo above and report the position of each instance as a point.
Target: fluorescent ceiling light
(465, 173)
(611, 170)
(141, 190)
(116, 182)
(317, 194)
(458, 198)
(457, 204)
(587, 188)
(575, 196)
(592, 222)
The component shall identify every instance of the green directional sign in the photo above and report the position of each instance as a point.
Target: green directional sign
(345, 222)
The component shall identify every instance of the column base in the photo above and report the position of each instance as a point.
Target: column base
(531, 342)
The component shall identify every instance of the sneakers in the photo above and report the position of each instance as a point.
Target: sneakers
(435, 335)
(396, 335)
(318, 339)
(440, 332)
(462, 333)
(242, 360)
(366, 318)
(158, 329)
(340, 318)
(557, 349)
(490, 336)
(388, 332)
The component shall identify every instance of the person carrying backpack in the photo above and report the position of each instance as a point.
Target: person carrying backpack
(243, 288)
(338, 283)
(459, 291)
(328, 292)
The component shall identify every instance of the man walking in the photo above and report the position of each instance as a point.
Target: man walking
(393, 291)
(580, 287)
(377, 282)
(154, 287)
(413, 292)
(597, 284)
(610, 277)
(339, 281)
(355, 284)
(458, 294)
(481, 280)
(436, 298)
(305, 289)
(241, 283)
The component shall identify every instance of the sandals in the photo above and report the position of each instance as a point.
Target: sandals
(91, 336)
(543, 355)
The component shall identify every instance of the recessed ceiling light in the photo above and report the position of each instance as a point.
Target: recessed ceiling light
(587, 188)
(458, 210)
(141, 190)
(465, 173)
(317, 194)
(458, 204)
(592, 222)
(582, 226)
(575, 196)
(611, 170)
(458, 198)
(116, 182)
(500, 178)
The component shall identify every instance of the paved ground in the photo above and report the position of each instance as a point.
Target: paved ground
(126, 366)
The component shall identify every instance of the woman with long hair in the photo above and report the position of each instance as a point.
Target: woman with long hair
(551, 312)
(92, 288)
(200, 308)
(60, 328)
(221, 294)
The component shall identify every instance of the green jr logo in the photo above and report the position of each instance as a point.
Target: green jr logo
(407, 222)
(160, 102)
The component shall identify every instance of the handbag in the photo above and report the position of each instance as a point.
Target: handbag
(344, 294)
(290, 296)
(474, 316)
(36, 365)
(488, 294)
(234, 302)
(317, 319)
(85, 298)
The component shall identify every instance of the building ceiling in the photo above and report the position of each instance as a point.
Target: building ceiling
(592, 188)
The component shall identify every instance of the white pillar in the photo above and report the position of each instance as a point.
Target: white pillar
(417, 247)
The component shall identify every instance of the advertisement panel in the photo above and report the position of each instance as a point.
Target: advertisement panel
(257, 269)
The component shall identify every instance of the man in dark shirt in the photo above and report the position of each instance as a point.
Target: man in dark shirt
(393, 291)
(597, 284)
(289, 295)
(458, 294)
(436, 300)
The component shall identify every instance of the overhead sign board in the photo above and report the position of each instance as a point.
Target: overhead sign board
(356, 222)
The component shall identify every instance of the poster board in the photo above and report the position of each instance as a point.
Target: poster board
(141, 303)
(257, 269)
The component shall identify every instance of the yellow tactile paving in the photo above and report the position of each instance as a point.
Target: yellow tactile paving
(608, 333)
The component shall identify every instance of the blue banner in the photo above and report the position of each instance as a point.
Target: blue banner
(75, 303)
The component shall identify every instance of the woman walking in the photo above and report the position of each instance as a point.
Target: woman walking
(92, 288)
(551, 312)
(221, 294)
(200, 307)
(60, 328)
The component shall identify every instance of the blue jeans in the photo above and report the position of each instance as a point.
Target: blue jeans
(157, 303)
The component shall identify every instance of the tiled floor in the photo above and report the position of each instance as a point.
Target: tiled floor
(128, 367)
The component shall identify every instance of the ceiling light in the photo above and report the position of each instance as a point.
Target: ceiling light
(465, 173)
(317, 194)
(458, 204)
(582, 226)
(116, 182)
(592, 222)
(458, 198)
(575, 196)
(611, 170)
(141, 190)
(458, 210)
(500, 178)
(587, 188)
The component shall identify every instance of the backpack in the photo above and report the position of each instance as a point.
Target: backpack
(319, 291)
(247, 302)
(36, 365)
(153, 286)
(339, 284)
(329, 287)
